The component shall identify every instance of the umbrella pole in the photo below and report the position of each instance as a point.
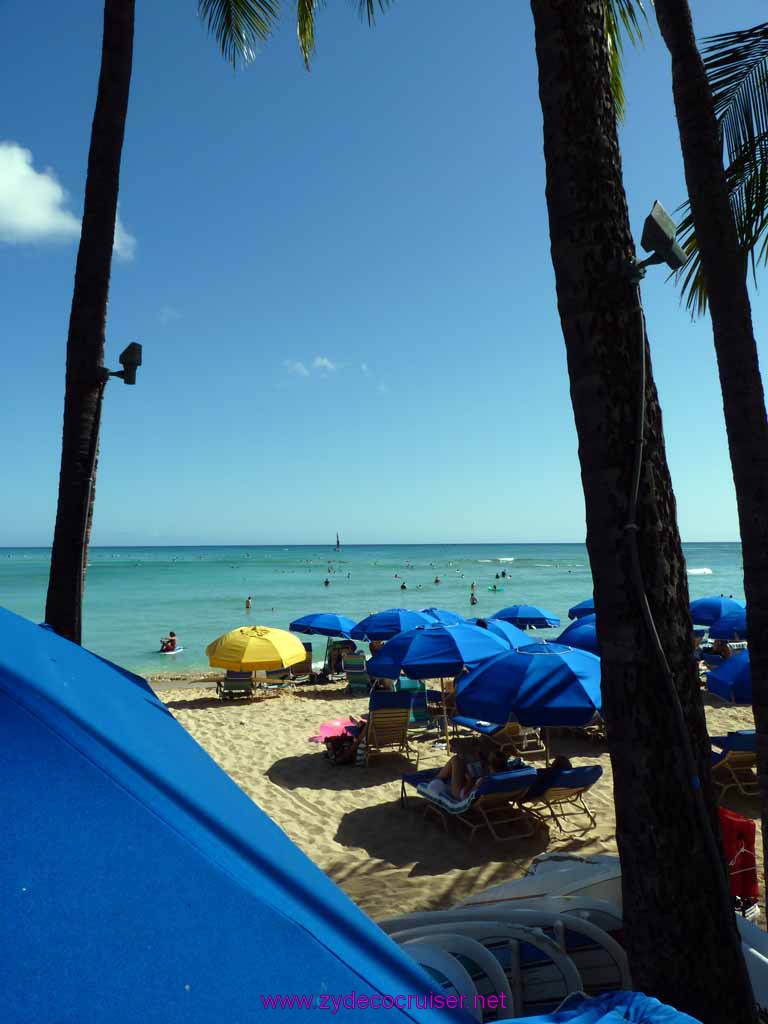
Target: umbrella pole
(327, 664)
(546, 746)
(445, 717)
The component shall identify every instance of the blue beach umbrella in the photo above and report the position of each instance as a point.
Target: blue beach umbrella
(443, 615)
(526, 616)
(732, 680)
(434, 651)
(515, 637)
(582, 608)
(540, 685)
(322, 624)
(147, 871)
(732, 626)
(706, 610)
(384, 625)
(581, 634)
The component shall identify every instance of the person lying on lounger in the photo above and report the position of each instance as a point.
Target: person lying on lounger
(461, 775)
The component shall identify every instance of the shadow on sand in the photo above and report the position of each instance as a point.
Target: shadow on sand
(434, 850)
(315, 771)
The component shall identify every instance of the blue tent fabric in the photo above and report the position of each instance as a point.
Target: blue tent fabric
(384, 625)
(443, 615)
(434, 651)
(322, 624)
(526, 616)
(706, 610)
(732, 680)
(539, 685)
(613, 1008)
(514, 636)
(139, 882)
(731, 626)
(582, 608)
(582, 634)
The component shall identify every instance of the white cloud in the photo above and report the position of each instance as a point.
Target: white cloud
(323, 363)
(33, 205)
(125, 242)
(365, 369)
(296, 368)
(168, 314)
(382, 388)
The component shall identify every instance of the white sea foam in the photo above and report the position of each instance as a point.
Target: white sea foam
(699, 572)
(483, 560)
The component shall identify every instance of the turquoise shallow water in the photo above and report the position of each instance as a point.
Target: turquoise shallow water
(135, 595)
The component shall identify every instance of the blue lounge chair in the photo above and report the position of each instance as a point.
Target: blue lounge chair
(494, 804)
(560, 796)
(512, 736)
(734, 763)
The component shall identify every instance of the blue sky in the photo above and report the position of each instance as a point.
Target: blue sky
(341, 281)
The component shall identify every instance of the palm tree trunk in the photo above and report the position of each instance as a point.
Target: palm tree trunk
(680, 929)
(725, 270)
(87, 323)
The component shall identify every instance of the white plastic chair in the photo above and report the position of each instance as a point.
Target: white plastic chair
(484, 969)
(447, 972)
(599, 959)
(535, 988)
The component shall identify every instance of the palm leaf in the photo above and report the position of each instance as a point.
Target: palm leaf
(367, 9)
(737, 68)
(239, 25)
(622, 21)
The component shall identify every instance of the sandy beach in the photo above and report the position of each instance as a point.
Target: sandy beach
(349, 820)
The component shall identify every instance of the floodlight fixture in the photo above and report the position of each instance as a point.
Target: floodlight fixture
(658, 239)
(130, 360)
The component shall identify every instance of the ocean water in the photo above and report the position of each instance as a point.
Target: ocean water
(135, 595)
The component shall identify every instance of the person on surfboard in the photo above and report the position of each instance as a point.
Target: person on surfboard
(168, 643)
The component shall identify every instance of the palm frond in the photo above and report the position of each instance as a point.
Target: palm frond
(305, 28)
(737, 69)
(367, 9)
(622, 21)
(239, 25)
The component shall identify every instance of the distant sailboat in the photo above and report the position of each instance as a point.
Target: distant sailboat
(338, 543)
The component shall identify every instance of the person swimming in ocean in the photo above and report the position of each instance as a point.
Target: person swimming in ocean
(473, 599)
(403, 585)
(326, 582)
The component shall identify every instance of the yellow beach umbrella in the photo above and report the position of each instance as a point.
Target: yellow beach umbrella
(255, 647)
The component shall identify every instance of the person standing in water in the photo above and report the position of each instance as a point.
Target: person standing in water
(248, 604)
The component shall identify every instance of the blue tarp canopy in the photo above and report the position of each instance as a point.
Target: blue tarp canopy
(139, 883)
(527, 616)
(706, 610)
(581, 634)
(586, 607)
(539, 685)
(322, 624)
(613, 1008)
(731, 626)
(511, 634)
(443, 615)
(384, 625)
(732, 680)
(429, 652)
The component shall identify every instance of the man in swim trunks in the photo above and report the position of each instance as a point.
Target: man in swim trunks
(168, 643)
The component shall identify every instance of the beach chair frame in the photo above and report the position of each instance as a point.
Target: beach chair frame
(562, 804)
(494, 811)
(388, 731)
(358, 680)
(736, 771)
(235, 684)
